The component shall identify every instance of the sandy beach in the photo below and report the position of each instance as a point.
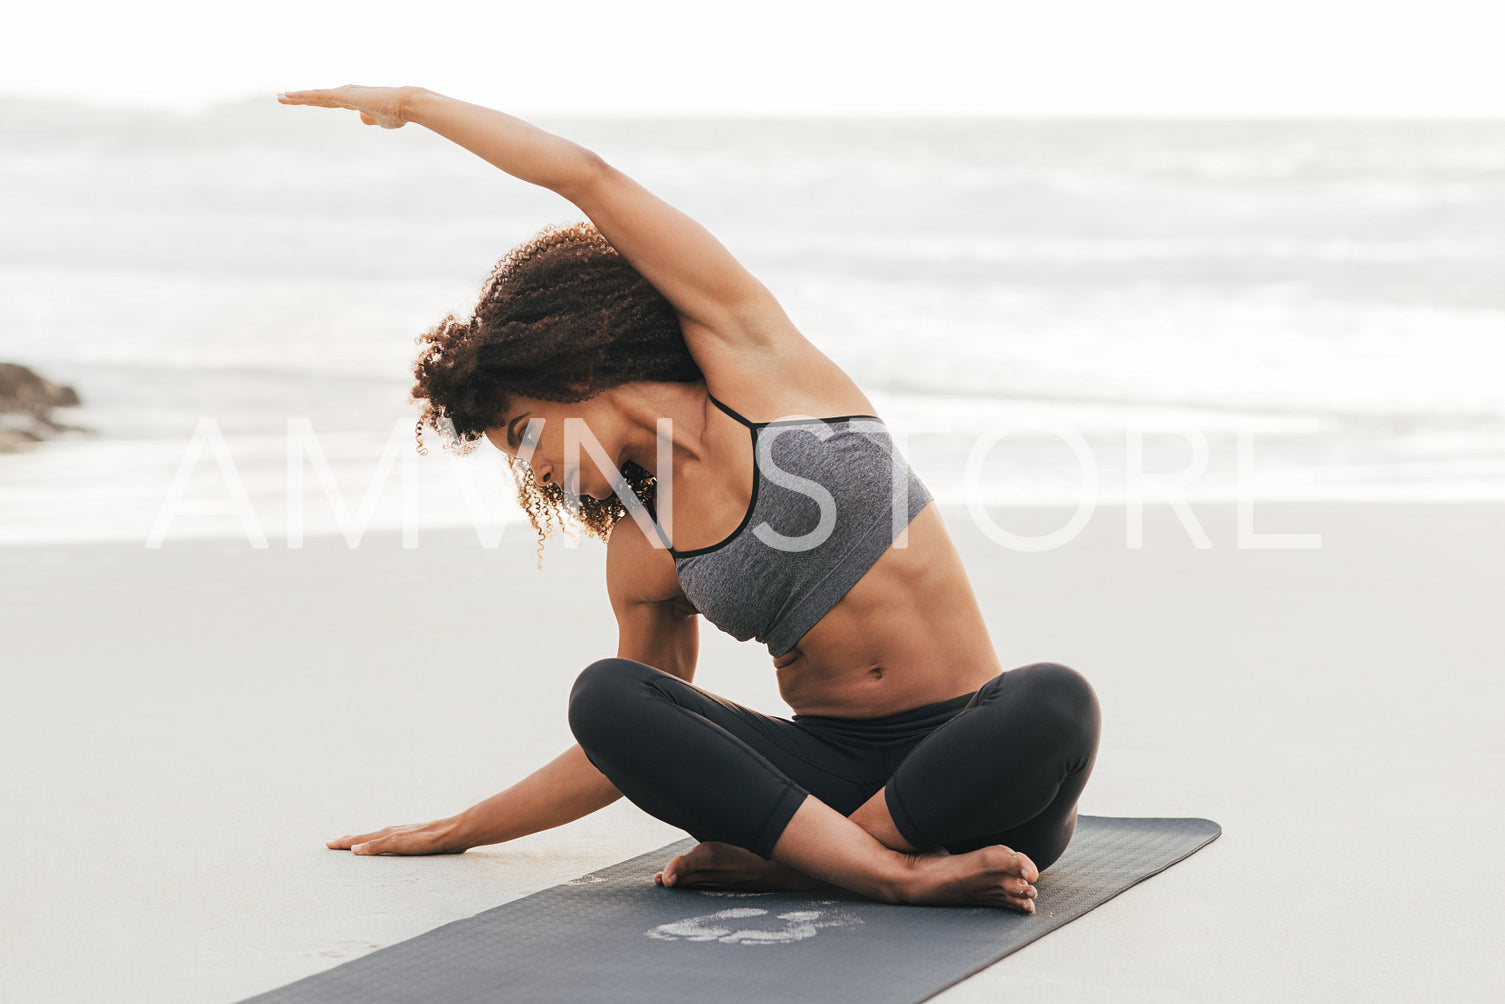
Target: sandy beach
(1057, 268)
(182, 729)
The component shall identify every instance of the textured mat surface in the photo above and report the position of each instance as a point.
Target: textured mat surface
(615, 936)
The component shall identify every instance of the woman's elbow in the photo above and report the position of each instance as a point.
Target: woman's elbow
(586, 175)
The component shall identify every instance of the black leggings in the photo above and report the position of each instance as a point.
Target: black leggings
(1005, 765)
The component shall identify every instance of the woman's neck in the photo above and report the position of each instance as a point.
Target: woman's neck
(645, 404)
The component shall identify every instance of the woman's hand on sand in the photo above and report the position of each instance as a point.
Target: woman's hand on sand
(438, 837)
(383, 106)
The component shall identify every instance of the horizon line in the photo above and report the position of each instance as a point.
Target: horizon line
(186, 111)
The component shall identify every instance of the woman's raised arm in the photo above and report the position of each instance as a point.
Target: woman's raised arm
(725, 309)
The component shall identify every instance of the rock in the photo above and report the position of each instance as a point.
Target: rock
(10, 441)
(26, 403)
(23, 390)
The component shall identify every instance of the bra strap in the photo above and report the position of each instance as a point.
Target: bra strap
(730, 411)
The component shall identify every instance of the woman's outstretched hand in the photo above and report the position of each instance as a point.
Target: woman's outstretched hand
(383, 106)
(438, 837)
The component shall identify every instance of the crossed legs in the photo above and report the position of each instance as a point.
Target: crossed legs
(996, 785)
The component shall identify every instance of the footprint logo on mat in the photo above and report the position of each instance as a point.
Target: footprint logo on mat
(741, 926)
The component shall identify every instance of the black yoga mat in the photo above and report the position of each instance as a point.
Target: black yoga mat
(615, 936)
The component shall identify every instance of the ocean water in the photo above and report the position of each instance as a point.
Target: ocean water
(1045, 311)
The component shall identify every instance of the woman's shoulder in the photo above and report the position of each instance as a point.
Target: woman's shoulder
(780, 373)
(638, 568)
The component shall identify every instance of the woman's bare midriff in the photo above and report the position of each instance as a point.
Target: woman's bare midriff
(910, 633)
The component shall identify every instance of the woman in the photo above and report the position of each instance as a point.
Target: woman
(635, 361)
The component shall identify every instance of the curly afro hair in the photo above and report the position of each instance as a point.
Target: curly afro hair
(561, 318)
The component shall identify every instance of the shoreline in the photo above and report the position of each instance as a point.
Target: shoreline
(491, 534)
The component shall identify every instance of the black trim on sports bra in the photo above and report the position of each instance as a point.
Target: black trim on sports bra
(728, 410)
(752, 502)
(783, 421)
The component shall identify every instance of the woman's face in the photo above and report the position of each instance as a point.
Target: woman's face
(571, 445)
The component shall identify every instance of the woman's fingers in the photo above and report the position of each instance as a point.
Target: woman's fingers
(381, 106)
(414, 838)
(381, 842)
(345, 843)
(328, 98)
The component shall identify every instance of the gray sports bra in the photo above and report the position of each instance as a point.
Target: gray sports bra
(829, 496)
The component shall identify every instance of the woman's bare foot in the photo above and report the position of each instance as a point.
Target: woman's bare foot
(820, 841)
(989, 876)
(725, 866)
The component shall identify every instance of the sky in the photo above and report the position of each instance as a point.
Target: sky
(1437, 58)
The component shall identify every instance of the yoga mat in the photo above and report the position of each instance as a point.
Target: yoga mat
(614, 936)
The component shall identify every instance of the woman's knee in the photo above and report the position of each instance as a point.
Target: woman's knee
(602, 697)
(1063, 686)
(1063, 696)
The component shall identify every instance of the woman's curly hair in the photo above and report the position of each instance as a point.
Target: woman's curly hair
(561, 318)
